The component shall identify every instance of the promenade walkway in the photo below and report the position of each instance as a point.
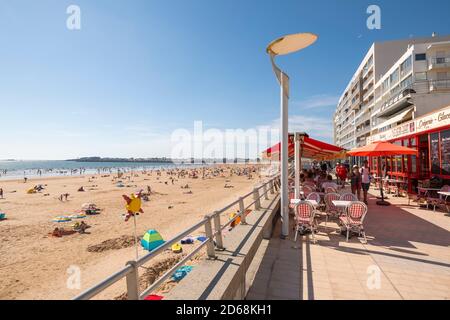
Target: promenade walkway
(407, 257)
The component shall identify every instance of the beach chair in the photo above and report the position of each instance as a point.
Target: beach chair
(354, 218)
(304, 219)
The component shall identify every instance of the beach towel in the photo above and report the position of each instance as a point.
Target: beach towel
(153, 297)
(181, 273)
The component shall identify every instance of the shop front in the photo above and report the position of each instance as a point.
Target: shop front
(430, 135)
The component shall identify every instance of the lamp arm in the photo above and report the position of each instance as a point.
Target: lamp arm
(282, 77)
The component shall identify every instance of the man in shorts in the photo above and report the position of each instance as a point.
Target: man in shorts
(365, 179)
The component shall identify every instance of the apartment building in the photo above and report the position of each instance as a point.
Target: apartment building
(395, 82)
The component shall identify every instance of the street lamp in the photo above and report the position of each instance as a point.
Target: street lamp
(282, 46)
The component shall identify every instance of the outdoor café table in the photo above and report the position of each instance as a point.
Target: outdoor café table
(341, 204)
(446, 195)
(397, 182)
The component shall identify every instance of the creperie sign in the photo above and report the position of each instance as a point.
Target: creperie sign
(432, 121)
(435, 120)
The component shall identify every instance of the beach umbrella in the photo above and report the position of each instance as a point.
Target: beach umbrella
(61, 219)
(77, 216)
(151, 240)
(382, 149)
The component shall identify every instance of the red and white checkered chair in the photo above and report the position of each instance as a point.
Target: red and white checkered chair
(348, 197)
(330, 190)
(307, 190)
(353, 220)
(330, 208)
(304, 219)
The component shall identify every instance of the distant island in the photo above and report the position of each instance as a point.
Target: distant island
(128, 160)
(164, 160)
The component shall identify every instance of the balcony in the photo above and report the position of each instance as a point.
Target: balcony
(363, 131)
(365, 116)
(397, 101)
(439, 63)
(439, 85)
(368, 81)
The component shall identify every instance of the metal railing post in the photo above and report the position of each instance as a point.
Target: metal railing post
(209, 235)
(272, 189)
(256, 198)
(133, 282)
(218, 230)
(242, 211)
(266, 196)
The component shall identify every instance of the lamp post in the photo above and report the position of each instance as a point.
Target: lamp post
(282, 46)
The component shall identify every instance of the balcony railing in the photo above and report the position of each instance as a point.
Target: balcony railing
(443, 62)
(440, 85)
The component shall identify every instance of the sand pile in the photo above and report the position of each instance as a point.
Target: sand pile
(113, 244)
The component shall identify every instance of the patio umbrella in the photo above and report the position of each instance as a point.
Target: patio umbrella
(382, 149)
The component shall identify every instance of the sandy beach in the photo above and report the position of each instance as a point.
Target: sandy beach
(34, 264)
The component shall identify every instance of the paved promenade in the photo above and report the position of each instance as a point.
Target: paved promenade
(407, 257)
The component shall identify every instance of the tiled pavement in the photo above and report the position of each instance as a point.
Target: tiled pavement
(407, 257)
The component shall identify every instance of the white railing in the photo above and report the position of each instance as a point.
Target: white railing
(214, 239)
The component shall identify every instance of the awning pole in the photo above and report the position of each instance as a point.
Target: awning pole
(297, 165)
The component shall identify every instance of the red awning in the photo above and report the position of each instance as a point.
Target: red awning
(311, 148)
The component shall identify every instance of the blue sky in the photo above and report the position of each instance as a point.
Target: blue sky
(137, 70)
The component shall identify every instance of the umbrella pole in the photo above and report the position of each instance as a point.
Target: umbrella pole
(382, 202)
(135, 237)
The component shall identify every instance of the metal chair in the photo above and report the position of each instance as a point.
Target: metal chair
(348, 197)
(353, 220)
(304, 219)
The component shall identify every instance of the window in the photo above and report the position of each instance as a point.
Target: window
(421, 57)
(445, 152)
(394, 76)
(405, 67)
(421, 76)
(434, 153)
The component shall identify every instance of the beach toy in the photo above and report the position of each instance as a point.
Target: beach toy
(187, 240)
(31, 191)
(181, 273)
(61, 219)
(176, 248)
(133, 205)
(151, 240)
(235, 222)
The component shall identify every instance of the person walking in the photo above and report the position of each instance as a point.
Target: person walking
(365, 179)
(1, 193)
(355, 182)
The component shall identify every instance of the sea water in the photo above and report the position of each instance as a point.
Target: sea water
(29, 169)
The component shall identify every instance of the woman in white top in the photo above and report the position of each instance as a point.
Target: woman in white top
(365, 179)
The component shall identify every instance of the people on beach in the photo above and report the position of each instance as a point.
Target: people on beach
(1, 193)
